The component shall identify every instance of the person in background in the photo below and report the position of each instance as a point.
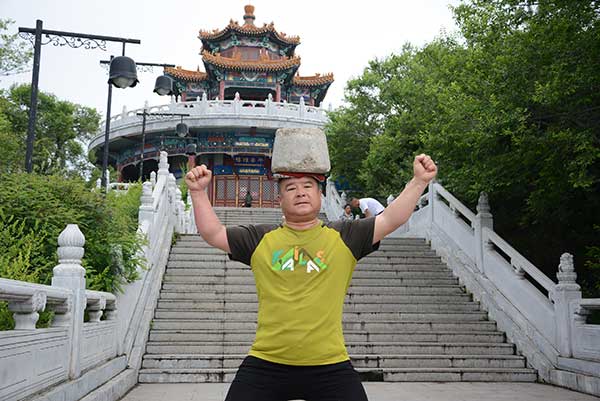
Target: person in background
(369, 206)
(347, 215)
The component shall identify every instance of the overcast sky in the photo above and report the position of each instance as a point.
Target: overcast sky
(336, 36)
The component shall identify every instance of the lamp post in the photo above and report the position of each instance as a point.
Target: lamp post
(122, 74)
(57, 38)
(144, 114)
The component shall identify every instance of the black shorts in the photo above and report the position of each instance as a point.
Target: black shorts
(260, 380)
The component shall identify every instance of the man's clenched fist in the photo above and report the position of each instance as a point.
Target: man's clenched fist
(198, 178)
(424, 168)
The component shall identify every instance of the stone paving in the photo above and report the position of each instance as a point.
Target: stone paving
(380, 392)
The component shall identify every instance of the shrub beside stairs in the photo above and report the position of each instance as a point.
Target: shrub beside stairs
(406, 317)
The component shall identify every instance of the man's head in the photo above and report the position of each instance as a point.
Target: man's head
(354, 202)
(348, 208)
(300, 198)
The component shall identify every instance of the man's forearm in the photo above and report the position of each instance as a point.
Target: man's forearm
(207, 222)
(399, 211)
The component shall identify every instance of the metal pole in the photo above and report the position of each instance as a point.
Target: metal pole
(143, 145)
(106, 137)
(37, 52)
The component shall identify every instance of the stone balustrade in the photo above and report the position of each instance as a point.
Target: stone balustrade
(546, 320)
(97, 359)
(216, 113)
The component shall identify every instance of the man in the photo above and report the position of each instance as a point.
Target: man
(302, 271)
(368, 206)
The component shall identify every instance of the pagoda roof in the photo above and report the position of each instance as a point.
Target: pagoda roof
(314, 80)
(186, 75)
(252, 65)
(248, 29)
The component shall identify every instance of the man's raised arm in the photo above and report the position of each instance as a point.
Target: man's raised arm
(399, 211)
(207, 222)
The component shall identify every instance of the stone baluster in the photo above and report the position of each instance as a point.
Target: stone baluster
(70, 274)
(236, 103)
(95, 309)
(25, 313)
(566, 297)
(270, 108)
(99, 183)
(204, 104)
(163, 165)
(153, 179)
(483, 219)
(146, 210)
(302, 108)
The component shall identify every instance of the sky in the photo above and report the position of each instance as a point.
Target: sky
(336, 36)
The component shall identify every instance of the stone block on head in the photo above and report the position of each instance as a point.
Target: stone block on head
(300, 151)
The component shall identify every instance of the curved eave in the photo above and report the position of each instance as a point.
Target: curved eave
(313, 81)
(249, 30)
(259, 65)
(186, 75)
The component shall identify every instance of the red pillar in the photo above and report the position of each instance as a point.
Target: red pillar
(278, 92)
(222, 90)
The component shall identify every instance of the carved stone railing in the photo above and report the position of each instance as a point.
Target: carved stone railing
(546, 320)
(217, 113)
(332, 204)
(33, 359)
(98, 359)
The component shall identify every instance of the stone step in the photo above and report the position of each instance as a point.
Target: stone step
(356, 298)
(224, 263)
(348, 316)
(388, 375)
(164, 305)
(356, 281)
(250, 288)
(361, 273)
(209, 336)
(468, 348)
(375, 326)
(196, 361)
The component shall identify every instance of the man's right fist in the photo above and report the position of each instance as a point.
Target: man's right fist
(198, 178)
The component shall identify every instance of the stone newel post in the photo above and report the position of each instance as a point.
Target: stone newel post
(71, 275)
(483, 219)
(566, 297)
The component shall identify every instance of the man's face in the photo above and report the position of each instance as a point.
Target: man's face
(300, 198)
(355, 203)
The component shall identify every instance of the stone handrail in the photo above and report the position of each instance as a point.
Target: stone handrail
(203, 108)
(98, 359)
(548, 326)
(332, 204)
(32, 360)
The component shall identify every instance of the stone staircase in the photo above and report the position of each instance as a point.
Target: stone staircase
(406, 317)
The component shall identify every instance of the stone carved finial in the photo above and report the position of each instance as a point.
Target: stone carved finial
(153, 178)
(302, 101)
(70, 245)
(566, 270)
(124, 112)
(163, 164)
(237, 96)
(344, 198)
(204, 98)
(270, 98)
(483, 205)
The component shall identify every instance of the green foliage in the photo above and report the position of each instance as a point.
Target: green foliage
(34, 210)
(62, 129)
(14, 53)
(510, 106)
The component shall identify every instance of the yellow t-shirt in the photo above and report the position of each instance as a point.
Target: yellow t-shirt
(301, 281)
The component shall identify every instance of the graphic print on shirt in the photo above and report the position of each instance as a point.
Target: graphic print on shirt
(297, 258)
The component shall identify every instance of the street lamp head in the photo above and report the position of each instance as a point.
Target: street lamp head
(190, 149)
(182, 130)
(163, 85)
(123, 72)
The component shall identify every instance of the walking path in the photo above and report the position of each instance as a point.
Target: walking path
(380, 392)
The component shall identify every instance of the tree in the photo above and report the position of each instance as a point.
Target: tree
(511, 105)
(14, 53)
(62, 130)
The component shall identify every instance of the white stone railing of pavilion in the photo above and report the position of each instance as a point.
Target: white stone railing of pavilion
(546, 320)
(98, 359)
(219, 112)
